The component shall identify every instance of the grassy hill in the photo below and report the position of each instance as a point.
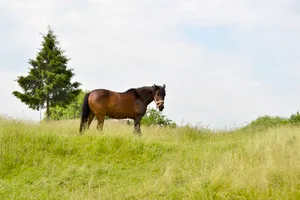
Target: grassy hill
(52, 161)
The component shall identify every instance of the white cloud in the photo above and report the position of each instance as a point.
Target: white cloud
(242, 14)
(108, 39)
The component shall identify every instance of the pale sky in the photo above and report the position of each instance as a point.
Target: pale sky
(224, 63)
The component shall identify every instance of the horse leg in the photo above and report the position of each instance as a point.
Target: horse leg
(100, 115)
(137, 128)
(90, 120)
(100, 122)
(100, 125)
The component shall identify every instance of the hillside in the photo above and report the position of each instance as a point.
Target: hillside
(51, 161)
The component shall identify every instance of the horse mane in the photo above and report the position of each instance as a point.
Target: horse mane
(139, 92)
(130, 90)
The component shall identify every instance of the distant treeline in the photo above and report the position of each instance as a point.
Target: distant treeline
(266, 121)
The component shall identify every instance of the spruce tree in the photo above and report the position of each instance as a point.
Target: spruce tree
(49, 80)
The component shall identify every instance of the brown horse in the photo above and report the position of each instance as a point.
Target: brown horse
(131, 104)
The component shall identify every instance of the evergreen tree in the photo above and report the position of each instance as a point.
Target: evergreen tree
(49, 81)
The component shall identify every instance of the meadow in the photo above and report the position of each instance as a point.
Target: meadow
(52, 161)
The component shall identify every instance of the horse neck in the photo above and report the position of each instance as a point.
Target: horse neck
(146, 94)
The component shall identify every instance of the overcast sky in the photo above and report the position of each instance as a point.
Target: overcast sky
(224, 63)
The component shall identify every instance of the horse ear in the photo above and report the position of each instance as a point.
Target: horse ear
(155, 86)
(164, 86)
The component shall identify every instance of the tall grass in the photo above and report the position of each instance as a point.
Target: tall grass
(52, 161)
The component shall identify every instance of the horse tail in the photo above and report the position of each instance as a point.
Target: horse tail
(85, 111)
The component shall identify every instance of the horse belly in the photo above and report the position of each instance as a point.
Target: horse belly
(117, 114)
(120, 112)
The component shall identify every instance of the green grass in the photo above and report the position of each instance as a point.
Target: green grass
(52, 161)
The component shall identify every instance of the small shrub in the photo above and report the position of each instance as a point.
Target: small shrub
(154, 117)
(265, 122)
(295, 118)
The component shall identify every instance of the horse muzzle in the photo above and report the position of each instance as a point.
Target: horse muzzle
(160, 105)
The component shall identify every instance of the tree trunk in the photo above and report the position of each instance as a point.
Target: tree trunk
(48, 110)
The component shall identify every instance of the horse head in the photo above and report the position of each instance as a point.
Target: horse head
(159, 96)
